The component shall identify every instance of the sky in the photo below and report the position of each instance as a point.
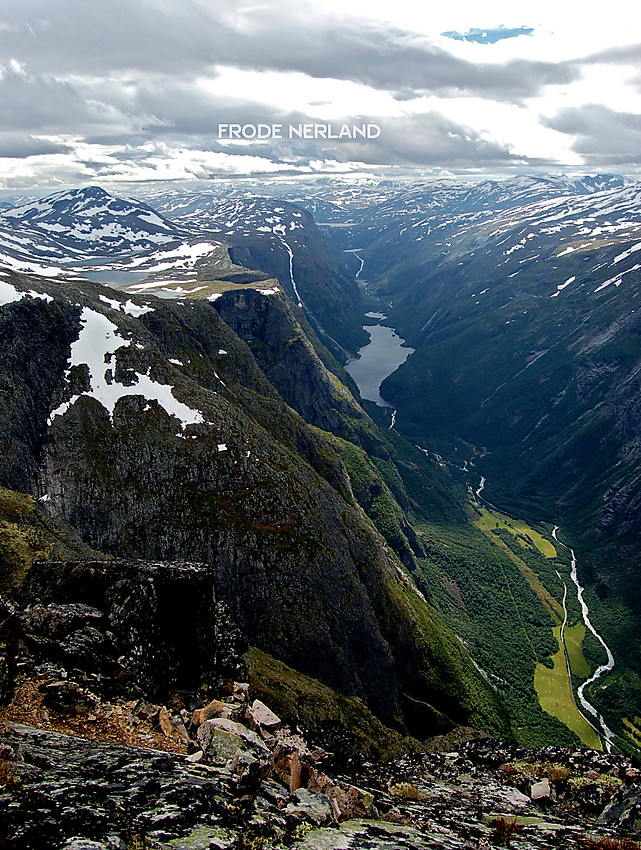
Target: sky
(132, 92)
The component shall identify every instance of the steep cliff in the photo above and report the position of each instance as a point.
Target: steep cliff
(148, 427)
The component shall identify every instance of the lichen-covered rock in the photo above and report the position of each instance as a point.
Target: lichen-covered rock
(206, 838)
(71, 789)
(623, 812)
(314, 805)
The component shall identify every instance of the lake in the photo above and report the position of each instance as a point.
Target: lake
(383, 354)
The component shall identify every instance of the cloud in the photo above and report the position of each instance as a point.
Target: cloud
(20, 146)
(150, 37)
(138, 86)
(431, 140)
(32, 102)
(602, 135)
(67, 37)
(627, 54)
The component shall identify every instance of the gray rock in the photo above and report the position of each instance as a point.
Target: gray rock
(541, 790)
(264, 717)
(250, 739)
(315, 807)
(376, 835)
(205, 838)
(624, 810)
(219, 745)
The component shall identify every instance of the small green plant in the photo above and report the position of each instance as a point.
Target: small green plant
(552, 770)
(504, 829)
(558, 772)
(405, 789)
(605, 781)
(259, 836)
(607, 843)
(8, 773)
(301, 831)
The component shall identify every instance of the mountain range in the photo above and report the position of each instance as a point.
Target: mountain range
(197, 410)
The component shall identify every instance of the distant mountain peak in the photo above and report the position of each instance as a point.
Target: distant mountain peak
(88, 221)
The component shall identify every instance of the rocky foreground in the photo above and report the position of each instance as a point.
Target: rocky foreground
(250, 782)
(103, 745)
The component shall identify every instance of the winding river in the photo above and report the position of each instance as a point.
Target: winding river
(608, 734)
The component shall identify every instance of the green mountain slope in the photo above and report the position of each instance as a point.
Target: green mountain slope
(149, 428)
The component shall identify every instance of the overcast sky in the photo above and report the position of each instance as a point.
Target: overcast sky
(135, 90)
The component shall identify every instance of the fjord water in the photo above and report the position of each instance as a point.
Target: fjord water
(382, 355)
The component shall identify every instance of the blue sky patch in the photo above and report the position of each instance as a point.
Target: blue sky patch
(489, 36)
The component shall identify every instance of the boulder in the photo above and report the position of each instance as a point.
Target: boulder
(240, 691)
(624, 810)
(172, 726)
(287, 767)
(541, 790)
(215, 708)
(347, 801)
(218, 745)
(260, 716)
(221, 738)
(313, 805)
(144, 710)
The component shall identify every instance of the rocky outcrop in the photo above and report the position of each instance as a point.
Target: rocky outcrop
(33, 333)
(269, 789)
(28, 533)
(88, 761)
(287, 353)
(159, 627)
(287, 356)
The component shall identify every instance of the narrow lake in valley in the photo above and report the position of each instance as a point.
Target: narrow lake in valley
(382, 355)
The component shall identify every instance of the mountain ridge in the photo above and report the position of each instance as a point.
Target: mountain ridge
(249, 500)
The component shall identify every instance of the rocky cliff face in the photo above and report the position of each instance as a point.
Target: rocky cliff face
(310, 273)
(148, 427)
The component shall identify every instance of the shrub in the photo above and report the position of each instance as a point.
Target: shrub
(8, 773)
(607, 843)
(405, 789)
(504, 829)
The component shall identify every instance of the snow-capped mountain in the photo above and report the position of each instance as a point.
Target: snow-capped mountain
(240, 216)
(210, 244)
(79, 225)
(424, 225)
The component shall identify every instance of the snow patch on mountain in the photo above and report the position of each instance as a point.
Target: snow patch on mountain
(96, 348)
(128, 307)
